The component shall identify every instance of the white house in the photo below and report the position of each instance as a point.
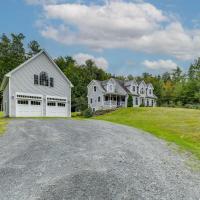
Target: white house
(37, 88)
(114, 93)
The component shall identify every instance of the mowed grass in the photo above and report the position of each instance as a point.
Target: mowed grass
(177, 125)
(3, 123)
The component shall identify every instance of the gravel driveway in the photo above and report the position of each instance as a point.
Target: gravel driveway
(90, 160)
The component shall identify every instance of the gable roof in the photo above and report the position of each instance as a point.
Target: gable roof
(9, 74)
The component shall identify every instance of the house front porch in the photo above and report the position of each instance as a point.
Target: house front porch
(114, 101)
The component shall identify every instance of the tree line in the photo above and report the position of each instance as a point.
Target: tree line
(175, 88)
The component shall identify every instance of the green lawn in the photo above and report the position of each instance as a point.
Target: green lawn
(181, 126)
(3, 123)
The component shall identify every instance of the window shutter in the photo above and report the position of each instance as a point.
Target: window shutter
(35, 79)
(51, 82)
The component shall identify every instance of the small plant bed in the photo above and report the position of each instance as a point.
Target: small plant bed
(103, 112)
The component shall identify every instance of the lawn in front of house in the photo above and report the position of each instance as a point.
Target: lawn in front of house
(3, 123)
(178, 125)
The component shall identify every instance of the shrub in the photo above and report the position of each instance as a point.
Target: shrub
(130, 101)
(87, 113)
(142, 105)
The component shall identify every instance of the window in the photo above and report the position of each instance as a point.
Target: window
(142, 91)
(99, 99)
(149, 91)
(51, 104)
(61, 104)
(44, 79)
(152, 102)
(110, 87)
(133, 88)
(24, 102)
(123, 98)
(36, 79)
(35, 103)
(136, 101)
(51, 82)
(90, 100)
(95, 88)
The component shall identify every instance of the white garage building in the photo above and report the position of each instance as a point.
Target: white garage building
(37, 88)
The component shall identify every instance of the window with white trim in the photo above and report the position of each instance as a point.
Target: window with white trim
(51, 103)
(35, 103)
(61, 104)
(44, 79)
(22, 102)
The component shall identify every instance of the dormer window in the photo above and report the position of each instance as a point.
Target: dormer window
(110, 87)
(142, 91)
(95, 88)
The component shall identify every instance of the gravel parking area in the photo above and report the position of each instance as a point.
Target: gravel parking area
(57, 159)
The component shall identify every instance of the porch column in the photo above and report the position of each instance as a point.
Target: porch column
(110, 101)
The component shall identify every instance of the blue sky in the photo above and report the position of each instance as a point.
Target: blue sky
(125, 37)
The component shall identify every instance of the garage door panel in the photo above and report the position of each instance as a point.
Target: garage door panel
(56, 107)
(27, 106)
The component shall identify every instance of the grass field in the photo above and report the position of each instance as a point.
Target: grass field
(181, 126)
(3, 123)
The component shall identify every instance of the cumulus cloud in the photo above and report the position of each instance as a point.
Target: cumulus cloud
(134, 25)
(41, 2)
(160, 64)
(99, 61)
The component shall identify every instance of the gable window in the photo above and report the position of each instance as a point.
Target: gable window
(51, 82)
(99, 99)
(36, 82)
(133, 88)
(95, 88)
(149, 91)
(44, 79)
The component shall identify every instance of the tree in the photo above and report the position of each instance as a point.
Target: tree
(12, 53)
(34, 48)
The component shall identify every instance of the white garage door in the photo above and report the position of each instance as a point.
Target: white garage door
(29, 105)
(56, 106)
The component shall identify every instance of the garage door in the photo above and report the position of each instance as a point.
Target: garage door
(29, 105)
(56, 106)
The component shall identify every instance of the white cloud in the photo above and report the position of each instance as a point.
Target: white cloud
(99, 61)
(160, 64)
(42, 2)
(138, 26)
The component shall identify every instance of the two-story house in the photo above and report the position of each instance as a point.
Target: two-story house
(114, 93)
(37, 88)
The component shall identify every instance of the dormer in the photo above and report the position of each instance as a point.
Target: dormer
(150, 89)
(110, 86)
(131, 86)
(142, 88)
